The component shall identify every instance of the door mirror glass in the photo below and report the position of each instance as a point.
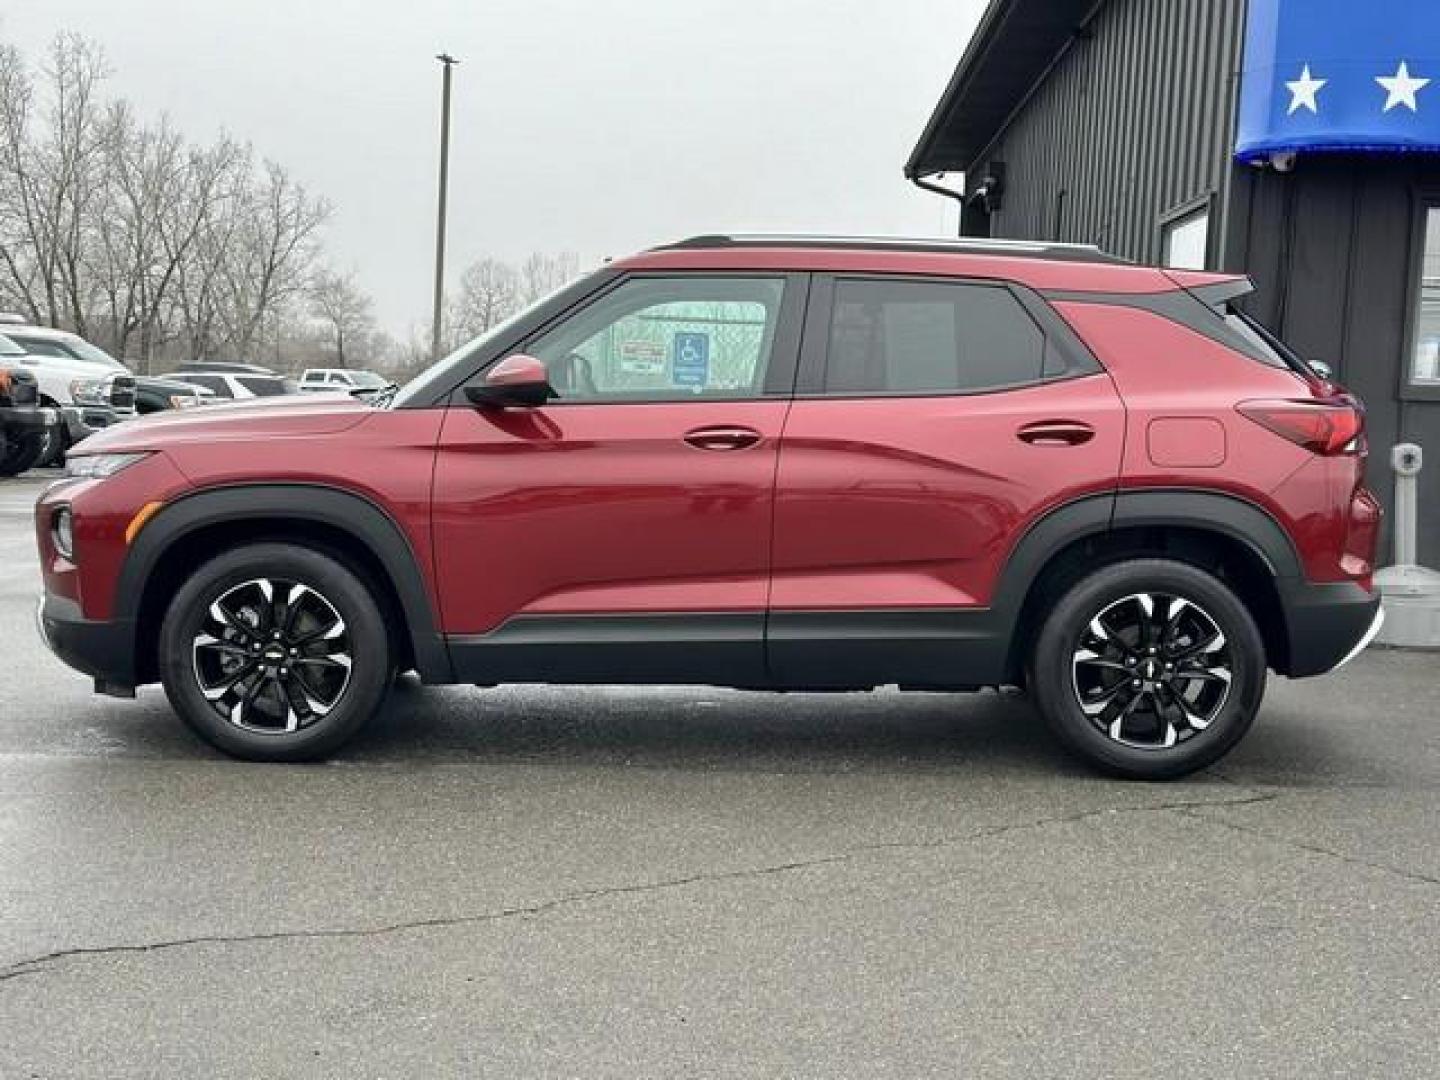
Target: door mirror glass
(516, 380)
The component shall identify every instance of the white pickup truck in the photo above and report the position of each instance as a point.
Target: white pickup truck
(90, 387)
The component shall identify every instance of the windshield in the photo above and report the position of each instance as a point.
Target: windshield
(83, 350)
(9, 348)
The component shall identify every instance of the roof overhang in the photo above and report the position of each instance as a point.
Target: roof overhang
(1015, 43)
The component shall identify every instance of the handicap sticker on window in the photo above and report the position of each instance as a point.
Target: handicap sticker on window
(691, 363)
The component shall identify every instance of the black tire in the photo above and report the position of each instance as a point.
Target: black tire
(21, 454)
(198, 649)
(1120, 671)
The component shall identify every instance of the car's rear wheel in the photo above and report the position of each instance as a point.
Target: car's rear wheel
(275, 652)
(1149, 669)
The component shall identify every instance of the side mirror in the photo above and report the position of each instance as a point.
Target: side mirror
(516, 380)
(1324, 370)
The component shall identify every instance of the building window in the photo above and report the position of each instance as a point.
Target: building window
(1186, 240)
(1425, 331)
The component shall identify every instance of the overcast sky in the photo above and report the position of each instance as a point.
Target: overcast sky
(596, 126)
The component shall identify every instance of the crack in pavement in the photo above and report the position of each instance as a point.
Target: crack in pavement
(37, 965)
(1413, 876)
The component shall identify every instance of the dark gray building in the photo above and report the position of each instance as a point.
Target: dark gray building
(1198, 133)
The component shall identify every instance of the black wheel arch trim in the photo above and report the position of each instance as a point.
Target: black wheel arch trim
(357, 515)
(1094, 515)
(1103, 514)
(1213, 511)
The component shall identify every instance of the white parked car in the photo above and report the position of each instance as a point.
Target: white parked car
(362, 384)
(236, 386)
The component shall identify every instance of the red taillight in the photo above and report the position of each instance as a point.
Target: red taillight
(1322, 427)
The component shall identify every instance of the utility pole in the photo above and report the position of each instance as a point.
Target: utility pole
(447, 62)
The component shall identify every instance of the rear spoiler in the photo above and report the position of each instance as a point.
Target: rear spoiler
(1215, 290)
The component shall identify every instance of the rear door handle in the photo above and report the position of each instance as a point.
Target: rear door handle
(1056, 433)
(723, 438)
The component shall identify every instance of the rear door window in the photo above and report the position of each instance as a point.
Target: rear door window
(922, 337)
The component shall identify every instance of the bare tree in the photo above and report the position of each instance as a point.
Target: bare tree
(127, 233)
(271, 253)
(150, 215)
(51, 172)
(345, 311)
(490, 292)
(543, 274)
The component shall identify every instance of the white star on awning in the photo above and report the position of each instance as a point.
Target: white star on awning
(1303, 92)
(1402, 88)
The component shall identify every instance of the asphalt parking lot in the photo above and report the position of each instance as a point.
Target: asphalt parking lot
(692, 882)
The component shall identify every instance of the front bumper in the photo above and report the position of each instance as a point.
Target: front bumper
(1328, 625)
(103, 650)
(83, 420)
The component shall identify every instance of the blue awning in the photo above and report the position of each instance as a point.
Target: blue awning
(1336, 75)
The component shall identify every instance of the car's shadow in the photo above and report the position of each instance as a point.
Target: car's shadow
(709, 729)
(704, 729)
(712, 730)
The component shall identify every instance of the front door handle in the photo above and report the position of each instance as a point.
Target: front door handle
(1056, 433)
(722, 438)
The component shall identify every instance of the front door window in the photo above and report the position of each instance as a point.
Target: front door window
(666, 339)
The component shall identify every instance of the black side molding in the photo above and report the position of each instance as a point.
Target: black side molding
(706, 648)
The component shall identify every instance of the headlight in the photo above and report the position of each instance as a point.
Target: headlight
(98, 466)
(62, 532)
(90, 391)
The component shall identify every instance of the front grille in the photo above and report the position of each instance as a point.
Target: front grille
(23, 388)
(122, 393)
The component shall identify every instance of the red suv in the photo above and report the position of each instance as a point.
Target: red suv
(780, 464)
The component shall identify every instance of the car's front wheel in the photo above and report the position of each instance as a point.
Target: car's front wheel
(1149, 669)
(275, 652)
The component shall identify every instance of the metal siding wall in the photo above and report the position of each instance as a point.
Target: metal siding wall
(1134, 120)
(1137, 119)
